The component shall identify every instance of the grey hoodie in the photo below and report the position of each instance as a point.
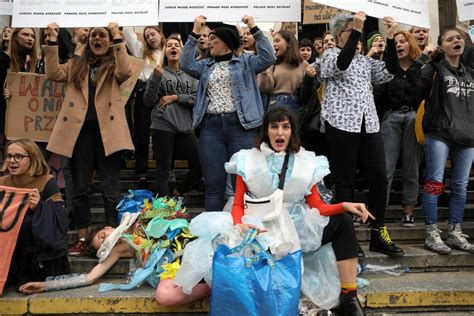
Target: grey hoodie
(177, 116)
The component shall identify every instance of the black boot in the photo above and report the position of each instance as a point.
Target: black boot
(349, 305)
(380, 242)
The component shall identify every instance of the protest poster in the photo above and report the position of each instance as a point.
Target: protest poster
(6, 7)
(230, 10)
(13, 207)
(67, 13)
(315, 13)
(34, 106)
(411, 12)
(465, 9)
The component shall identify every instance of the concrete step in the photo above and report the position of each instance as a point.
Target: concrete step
(398, 233)
(88, 301)
(416, 259)
(442, 293)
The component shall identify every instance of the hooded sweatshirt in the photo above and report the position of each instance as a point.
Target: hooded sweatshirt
(449, 107)
(177, 116)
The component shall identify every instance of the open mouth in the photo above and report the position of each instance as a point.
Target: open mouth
(457, 46)
(12, 168)
(380, 45)
(97, 45)
(280, 141)
(173, 53)
(400, 51)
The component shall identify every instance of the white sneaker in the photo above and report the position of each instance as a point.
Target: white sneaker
(433, 241)
(457, 240)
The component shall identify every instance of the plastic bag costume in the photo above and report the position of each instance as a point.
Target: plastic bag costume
(158, 237)
(260, 171)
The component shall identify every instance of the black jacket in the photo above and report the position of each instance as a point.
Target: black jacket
(449, 107)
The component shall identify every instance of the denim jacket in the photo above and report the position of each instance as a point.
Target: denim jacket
(243, 70)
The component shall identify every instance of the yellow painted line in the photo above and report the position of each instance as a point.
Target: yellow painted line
(13, 306)
(420, 299)
(109, 305)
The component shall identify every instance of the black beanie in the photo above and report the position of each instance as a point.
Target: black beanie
(228, 35)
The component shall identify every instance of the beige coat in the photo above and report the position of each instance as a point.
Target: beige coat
(110, 101)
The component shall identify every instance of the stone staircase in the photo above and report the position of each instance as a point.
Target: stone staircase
(435, 283)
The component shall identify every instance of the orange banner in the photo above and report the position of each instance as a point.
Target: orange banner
(13, 207)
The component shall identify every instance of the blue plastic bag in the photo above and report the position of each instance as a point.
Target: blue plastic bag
(133, 202)
(256, 284)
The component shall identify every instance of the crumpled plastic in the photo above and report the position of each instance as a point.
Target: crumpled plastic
(150, 273)
(133, 202)
(320, 280)
(310, 226)
(196, 263)
(169, 270)
(158, 227)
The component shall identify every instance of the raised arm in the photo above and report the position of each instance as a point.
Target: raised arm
(133, 43)
(265, 56)
(54, 70)
(187, 61)
(123, 69)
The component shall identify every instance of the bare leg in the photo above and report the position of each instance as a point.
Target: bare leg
(347, 270)
(169, 294)
(408, 209)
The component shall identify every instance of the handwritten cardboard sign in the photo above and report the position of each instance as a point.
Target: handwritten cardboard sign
(34, 106)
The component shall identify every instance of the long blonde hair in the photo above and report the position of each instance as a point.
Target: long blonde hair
(148, 51)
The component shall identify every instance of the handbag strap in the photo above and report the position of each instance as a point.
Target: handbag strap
(283, 171)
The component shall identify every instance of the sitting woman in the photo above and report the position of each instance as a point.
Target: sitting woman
(258, 171)
(41, 249)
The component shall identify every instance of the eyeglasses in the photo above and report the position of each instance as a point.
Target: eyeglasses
(347, 30)
(16, 157)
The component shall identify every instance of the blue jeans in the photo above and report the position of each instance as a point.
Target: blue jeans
(221, 136)
(436, 153)
(291, 101)
(398, 133)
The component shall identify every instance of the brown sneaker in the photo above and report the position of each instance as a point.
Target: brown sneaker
(78, 248)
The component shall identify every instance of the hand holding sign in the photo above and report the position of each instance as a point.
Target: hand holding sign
(248, 19)
(429, 50)
(114, 30)
(53, 31)
(390, 26)
(199, 22)
(359, 19)
(33, 199)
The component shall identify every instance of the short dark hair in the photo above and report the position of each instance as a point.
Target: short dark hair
(279, 114)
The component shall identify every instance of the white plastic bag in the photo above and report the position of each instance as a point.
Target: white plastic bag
(197, 257)
(320, 280)
(310, 226)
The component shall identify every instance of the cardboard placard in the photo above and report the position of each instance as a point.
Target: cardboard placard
(34, 106)
(315, 13)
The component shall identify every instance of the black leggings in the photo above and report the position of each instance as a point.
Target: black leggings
(167, 145)
(340, 231)
(345, 151)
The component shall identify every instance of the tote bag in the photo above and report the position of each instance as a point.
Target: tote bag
(246, 280)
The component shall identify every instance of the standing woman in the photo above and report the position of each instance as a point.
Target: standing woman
(401, 97)
(41, 249)
(448, 125)
(21, 56)
(91, 128)
(171, 93)
(202, 50)
(375, 46)
(307, 51)
(228, 106)
(151, 52)
(288, 72)
(351, 122)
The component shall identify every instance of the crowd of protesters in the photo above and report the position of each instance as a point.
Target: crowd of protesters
(205, 101)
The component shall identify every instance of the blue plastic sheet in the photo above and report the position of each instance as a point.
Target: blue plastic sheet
(133, 202)
(254, 284)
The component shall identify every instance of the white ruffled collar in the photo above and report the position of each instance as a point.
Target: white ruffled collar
(267, 151)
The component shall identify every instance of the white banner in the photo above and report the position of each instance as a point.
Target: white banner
(78, 13)
(411, 12)
(465, 9)
(230, 10)
(6, 7)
